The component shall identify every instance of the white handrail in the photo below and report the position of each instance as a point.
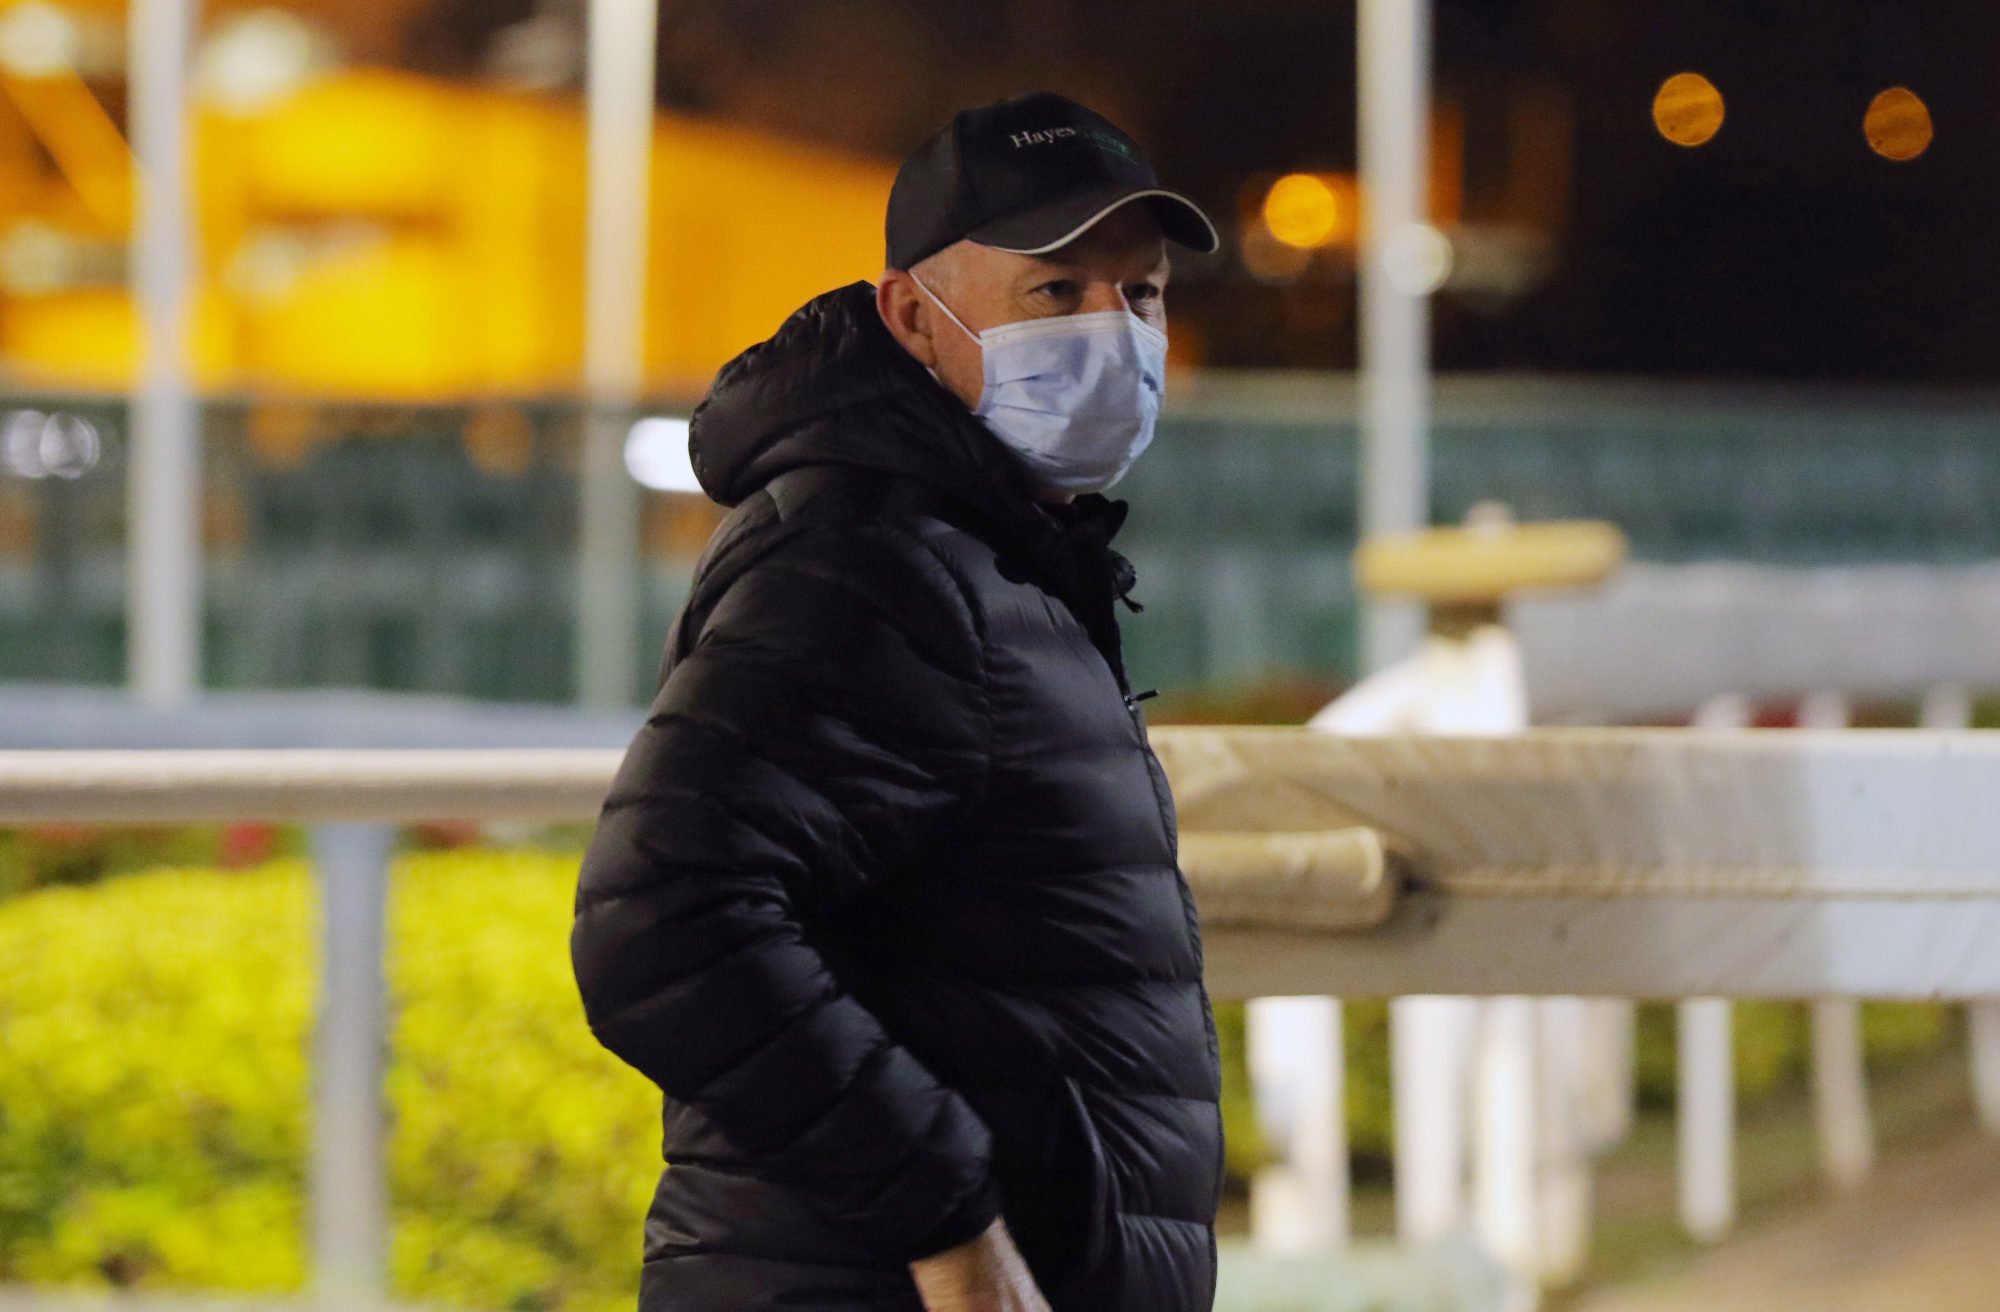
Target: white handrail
(150, 787)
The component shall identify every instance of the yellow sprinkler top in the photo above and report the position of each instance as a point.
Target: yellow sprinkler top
(1489, 559)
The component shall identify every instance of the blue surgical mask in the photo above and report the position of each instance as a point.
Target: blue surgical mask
(1074, 396)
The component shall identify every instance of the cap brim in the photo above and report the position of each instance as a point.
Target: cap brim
(1050, 227)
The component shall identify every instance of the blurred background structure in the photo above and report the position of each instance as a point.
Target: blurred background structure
(1749, 347)
(437, 283)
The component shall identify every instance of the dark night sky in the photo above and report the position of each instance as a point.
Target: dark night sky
(1783, 248)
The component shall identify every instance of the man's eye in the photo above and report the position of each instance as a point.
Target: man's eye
(1059, 289)
(1140, 293)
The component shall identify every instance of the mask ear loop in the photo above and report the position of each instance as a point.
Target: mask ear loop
(946, 308)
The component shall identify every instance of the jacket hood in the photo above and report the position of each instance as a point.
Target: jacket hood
(831, 386)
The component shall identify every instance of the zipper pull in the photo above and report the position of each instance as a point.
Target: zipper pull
(1132, 699)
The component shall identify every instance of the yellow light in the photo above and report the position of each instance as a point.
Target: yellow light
(1898, 124)
(1301, 210)
(1687, 109)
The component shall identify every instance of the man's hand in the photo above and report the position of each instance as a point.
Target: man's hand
(986, 1275)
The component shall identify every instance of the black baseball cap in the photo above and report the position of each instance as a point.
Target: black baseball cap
(1027, 175)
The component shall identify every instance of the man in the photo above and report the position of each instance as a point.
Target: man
(884, 896)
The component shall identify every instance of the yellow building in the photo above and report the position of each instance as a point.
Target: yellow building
(380, 235)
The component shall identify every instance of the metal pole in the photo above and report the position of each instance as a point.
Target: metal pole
(622, 37)
(163, 478)
(349, 1180)
(1392, 44)
(1394, 79)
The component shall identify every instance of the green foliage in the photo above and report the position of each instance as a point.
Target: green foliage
(1896, 1033)
(1273, 701)
(154, 1076)
(524, 1154)
(44, 856)
(1773, 1043)
(1243, 1141)
(1370, 1113)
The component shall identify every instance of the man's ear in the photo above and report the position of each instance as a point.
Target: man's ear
(906, 314)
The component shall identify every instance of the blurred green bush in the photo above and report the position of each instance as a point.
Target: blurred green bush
(154, 1076)
(1773, 1044)
(43, 856)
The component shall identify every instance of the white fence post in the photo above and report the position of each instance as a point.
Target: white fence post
(1948, 707)
(1840, 1093)
(1506, 1146)
(1430, 1040)
(1706, 1072)
(1298, 1070)
(1839, 1070)
(1707, 1117)
(1566, 1136)
(1985, 1027)
(1612, 1077)
(349, 1181)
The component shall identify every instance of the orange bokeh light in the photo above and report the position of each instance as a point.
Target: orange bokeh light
(1898, 124)
(1688, 109)
(1303, 210)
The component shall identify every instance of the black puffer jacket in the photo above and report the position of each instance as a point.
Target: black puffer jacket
(884, 896)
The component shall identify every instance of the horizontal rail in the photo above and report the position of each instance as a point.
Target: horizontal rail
(151, 787)
(1655, 863)
(1562, 812)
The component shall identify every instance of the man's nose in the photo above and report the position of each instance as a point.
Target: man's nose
(1101, 296)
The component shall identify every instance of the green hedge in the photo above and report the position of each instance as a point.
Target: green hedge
(1773, 1044)
(42, 856)
(154, 1075)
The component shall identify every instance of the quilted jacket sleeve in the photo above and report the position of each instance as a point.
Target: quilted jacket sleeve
(822, 731)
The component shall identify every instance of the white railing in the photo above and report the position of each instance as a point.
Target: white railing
(1839, 1084)
(1776, 865)
(1615, 863)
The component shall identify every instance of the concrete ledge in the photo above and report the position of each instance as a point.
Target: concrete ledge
(1453, 1275)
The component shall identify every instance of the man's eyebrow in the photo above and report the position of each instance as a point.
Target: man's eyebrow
(1046, 263)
